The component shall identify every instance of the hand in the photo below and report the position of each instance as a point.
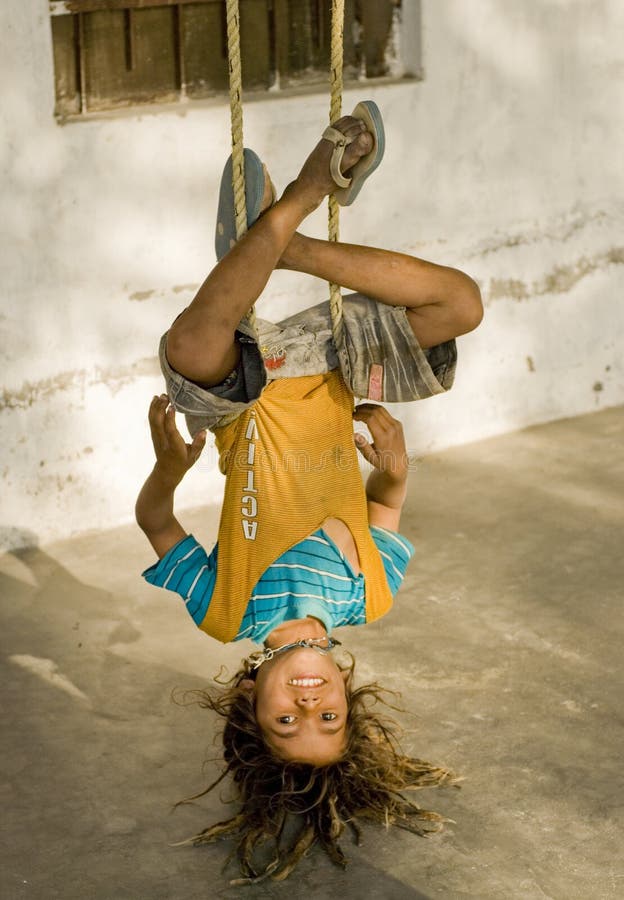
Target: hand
(174, 457)
(387, 453)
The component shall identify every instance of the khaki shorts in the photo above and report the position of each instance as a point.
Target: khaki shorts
(380, 359)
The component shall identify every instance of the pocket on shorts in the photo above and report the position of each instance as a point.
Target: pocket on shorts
(379, 335)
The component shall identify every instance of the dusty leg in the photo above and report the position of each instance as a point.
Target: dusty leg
(441, 302)
(201, 344)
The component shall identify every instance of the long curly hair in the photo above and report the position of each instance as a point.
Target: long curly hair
(286, 807)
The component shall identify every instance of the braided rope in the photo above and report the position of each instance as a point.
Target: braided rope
(238, 157)
(236, 117)
(335, 107)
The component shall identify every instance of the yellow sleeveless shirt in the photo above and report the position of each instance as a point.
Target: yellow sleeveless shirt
(290, 463)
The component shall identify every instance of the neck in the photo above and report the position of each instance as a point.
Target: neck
(296, 630)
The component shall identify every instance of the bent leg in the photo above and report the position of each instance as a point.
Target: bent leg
(441, 302)
(201, 344)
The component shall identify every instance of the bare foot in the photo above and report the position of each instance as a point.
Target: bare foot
(315, 182)
(270, 195)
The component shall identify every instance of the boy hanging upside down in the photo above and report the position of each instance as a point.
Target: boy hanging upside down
(303, 547)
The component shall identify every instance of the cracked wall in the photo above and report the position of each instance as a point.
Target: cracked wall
(504, 161)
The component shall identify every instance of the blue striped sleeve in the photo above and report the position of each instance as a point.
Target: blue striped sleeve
(396, 551)
(189, 571)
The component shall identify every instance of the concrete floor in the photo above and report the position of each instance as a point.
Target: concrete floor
(506, 642)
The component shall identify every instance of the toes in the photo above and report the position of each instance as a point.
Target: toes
(361, 140)
(358, 148)
(364, 142)
(270, 194)
(350, 127)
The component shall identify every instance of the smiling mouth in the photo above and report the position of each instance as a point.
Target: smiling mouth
(307, 681)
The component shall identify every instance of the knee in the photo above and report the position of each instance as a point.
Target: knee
(467, 305)
(199, 354)
(181, 345)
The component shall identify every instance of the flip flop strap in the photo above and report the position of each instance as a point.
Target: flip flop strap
(340, 142)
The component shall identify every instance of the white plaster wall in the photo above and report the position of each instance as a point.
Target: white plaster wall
(505, 161)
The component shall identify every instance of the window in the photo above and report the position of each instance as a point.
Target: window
(114, 53)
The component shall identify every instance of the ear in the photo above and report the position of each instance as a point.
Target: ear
(247, 685)
(345, 673)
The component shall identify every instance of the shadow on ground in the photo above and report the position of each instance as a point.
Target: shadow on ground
(505, 643)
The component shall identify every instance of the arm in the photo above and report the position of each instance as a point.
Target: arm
(386, 487)
(174, 457)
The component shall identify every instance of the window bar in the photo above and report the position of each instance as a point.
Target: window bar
(224, 32)
(180, 58)
(320, 25)
(129, 36)
(65, 7)
(280, 42)
(82, 65)
(272, 44)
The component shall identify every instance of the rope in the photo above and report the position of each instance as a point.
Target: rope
(335, 107)
(238, 157)
(236, 116)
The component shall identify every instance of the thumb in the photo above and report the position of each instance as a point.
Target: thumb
(367, 450)
(197, 446)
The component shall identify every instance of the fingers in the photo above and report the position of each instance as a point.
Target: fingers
(157, 407)
(387, 450)
(377, 419)
(171, 429)
(162, 414)
(156, 418)
(365, 411)
(367, 450)
(195, 449)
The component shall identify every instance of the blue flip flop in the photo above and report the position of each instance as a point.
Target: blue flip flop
(225, 232)
(348, 187)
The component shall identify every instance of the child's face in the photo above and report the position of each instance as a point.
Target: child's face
(301, 706)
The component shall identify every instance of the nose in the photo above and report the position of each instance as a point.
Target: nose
(308, 700)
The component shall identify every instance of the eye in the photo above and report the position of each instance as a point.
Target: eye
(328, 716)
(286, 720)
